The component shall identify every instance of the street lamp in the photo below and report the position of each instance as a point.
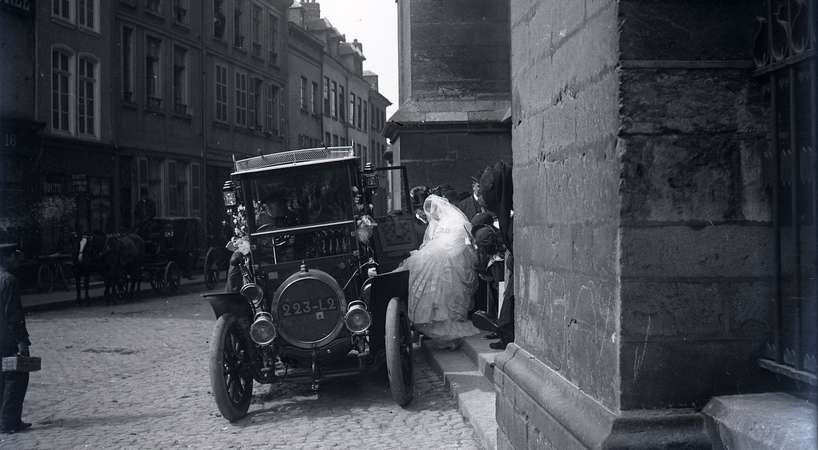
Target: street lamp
(229, 193)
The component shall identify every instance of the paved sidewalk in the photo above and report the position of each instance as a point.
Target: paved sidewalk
(36, 301)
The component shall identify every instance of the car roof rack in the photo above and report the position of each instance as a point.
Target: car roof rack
(293, 158)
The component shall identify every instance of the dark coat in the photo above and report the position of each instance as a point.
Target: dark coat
(497, 189)
(12, 320)
(470, 207)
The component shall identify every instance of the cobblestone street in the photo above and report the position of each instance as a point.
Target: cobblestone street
(135, 376)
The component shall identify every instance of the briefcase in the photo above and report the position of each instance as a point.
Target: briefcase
(20, 363)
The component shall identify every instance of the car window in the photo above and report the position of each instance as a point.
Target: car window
(301, 196)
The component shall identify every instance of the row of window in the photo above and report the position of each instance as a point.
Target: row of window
(334, 101)
(305, 141)
(247, 16)
(308, 96)
(154, 72)
(255, 102)
(74, 92)
(179, 9)
(333, 140)
(84, 13)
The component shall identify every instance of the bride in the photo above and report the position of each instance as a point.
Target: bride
(441, 276)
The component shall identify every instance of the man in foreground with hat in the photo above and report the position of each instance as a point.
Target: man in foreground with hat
(13, 340)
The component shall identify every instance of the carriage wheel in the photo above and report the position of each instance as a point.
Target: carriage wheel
(156, 279)
(173, 276)
(211, 268)
(231, 369)
(399, 364)
(121, 287)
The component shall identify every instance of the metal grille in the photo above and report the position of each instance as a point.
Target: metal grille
(784, 55)
(293, 157)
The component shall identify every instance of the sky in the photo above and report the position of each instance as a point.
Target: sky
(375, 24)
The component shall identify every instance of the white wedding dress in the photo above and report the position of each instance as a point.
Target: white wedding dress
(441, 274)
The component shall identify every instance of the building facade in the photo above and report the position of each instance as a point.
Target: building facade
(305, 85)
(20, 131)
(115, 102)
(78, 161)
(377, 120)
(455, 96)
(346, 92)
(664, 167)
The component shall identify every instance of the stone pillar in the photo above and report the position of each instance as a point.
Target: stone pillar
(643, 245)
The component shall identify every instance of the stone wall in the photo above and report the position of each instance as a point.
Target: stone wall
(566, 173)
(452, 157)
(697, 246)
(459, 47)
(643, 245)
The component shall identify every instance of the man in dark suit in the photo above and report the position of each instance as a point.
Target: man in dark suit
(471, 204)
(13, 340)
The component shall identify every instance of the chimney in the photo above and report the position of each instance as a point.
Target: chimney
(296, 15)
(358, 45)
(311, 10)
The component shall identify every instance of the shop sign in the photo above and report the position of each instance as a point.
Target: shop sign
(24, 7)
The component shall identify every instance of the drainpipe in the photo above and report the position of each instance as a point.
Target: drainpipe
(204, 99)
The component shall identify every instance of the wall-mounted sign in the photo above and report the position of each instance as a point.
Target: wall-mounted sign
(24, 7)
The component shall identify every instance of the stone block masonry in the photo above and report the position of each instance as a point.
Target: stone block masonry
(644, 253)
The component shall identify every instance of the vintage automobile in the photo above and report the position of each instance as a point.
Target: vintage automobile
(319, 297)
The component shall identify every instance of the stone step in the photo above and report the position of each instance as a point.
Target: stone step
(468, 374)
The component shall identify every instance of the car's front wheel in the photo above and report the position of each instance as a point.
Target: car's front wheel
(231, 368)
(399, 364)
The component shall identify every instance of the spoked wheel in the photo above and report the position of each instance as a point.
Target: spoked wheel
(173, 276)
(399, 364)
(156, 279)
(121, 287)
(231, 371)
(211, 268)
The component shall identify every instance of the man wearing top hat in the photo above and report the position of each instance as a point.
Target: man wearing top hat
(471, 205)
(13, 340)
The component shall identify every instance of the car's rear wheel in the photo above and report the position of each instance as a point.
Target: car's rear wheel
(398, 341)
(231, 369)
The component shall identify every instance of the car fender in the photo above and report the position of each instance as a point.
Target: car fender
(228, 302)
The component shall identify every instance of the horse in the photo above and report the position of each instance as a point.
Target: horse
(122, 258)
(86, 256)
(117, 258)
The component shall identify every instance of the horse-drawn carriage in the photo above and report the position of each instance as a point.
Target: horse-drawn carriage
(160, 251)
(173, 247)
(315, 301)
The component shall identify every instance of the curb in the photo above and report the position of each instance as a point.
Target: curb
(467, 374)
(187, 286)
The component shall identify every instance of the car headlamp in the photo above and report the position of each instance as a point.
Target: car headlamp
(253, 293)
(263, 330)
(357, 319)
